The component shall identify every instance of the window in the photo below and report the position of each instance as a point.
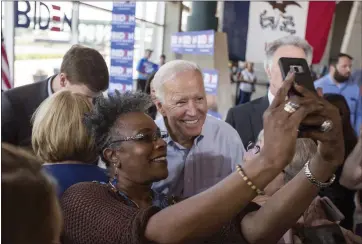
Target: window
(186, 12)
(39, 50)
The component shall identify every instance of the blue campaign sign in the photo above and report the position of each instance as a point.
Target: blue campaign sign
(195, 42)
(121, 7)
(211, 77)
(120, 20)
(122, 46)
(148, 67)
(122, 56)
(122, 87)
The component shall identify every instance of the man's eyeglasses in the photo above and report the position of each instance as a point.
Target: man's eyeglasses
(143, 137)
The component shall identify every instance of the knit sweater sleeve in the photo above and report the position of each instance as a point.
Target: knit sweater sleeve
(94, 214)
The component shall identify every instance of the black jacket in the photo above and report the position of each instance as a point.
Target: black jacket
(247, 119)
(17, 107)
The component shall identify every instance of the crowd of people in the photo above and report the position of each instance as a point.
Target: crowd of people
(153, 167)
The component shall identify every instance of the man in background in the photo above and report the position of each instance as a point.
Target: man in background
(339, 81)
(162, 59)
(145, 68)
(83, 70)
(247, 118)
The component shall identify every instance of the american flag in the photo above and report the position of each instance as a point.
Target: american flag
(5, 71)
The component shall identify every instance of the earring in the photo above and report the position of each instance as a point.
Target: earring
(114, 181)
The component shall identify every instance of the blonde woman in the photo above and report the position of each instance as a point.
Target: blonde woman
(62, 142)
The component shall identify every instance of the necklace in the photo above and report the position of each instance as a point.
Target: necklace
(129, 200)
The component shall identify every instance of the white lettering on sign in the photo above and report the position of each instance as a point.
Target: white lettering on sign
(121, 71)
(174, 39)
(121, 53)
(202, 40)
(187, 40)
(120, 87)
(123, 18)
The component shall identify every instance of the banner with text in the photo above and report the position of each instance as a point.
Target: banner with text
(211, 77)
(122, 46)
(251, 25)
(195, 42)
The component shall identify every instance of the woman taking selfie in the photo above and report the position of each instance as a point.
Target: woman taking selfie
(126, 210)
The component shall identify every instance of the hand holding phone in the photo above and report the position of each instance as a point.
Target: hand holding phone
(299, 66)
(303, 77)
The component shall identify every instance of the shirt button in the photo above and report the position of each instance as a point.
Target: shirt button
(188, 180)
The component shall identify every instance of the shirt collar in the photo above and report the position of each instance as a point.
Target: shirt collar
(270, 97)
(50, 92)
(339, 85)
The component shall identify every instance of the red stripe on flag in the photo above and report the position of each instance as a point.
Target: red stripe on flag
(5, 79)
(56, 18)
(55, 7)
(3, 54)
(319, 21)
(55, 29)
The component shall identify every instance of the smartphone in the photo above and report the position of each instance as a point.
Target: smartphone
(331, 210)
(303, 76)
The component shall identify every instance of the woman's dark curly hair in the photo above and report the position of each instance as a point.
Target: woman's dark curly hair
(100, 122)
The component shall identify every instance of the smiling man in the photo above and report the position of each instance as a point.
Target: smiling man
(201, 150)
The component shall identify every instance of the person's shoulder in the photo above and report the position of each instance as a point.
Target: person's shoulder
(26, 92)
(246, 106)
(220, 127)
(87, 186)
(321, 81)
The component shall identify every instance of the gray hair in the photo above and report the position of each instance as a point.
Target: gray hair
(169, 72)
(305, 150)
(107, 110)
(287, 41)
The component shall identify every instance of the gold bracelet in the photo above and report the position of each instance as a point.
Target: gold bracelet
(248, 182)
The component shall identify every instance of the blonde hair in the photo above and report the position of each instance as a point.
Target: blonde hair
(58, 130)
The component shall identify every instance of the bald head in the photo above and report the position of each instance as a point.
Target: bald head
(169, 72)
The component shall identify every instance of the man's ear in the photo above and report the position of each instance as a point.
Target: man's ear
(63, 80)
(160, 107)
(267, 71)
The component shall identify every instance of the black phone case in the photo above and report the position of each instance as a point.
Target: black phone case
(303, 76)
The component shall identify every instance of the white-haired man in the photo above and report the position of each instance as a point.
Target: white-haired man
(247, 118)
(201, 150)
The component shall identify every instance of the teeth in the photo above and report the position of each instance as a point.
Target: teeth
(159, 159)
(191, 121)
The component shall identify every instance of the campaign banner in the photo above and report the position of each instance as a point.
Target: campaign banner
(122, 46)
(147, 67)
(211, 78)
(195, 42)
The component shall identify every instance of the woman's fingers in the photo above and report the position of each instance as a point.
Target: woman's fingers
(304, 91)
(315, 135)
(283, 91)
